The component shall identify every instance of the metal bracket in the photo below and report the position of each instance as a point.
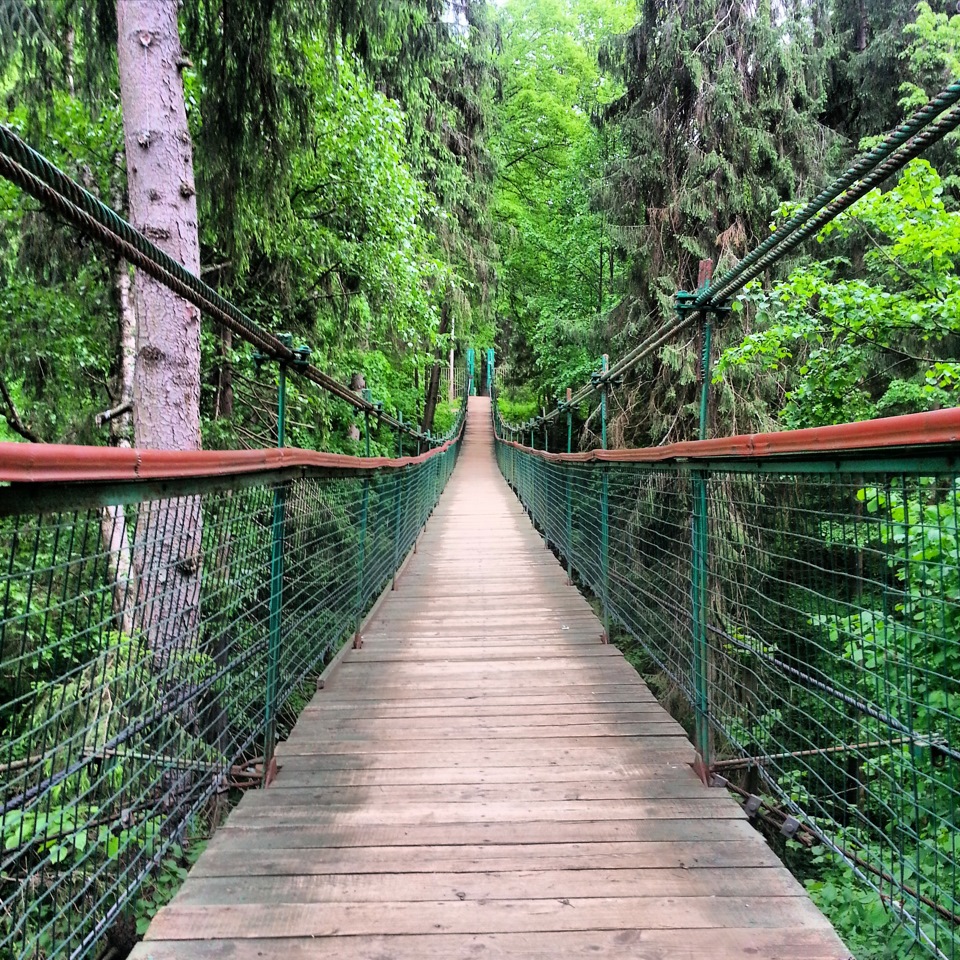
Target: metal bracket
(300, 361)
(302, 357)
(752, 805)
(789, 827)
(684, 302)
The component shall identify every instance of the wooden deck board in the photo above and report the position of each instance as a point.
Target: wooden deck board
(485, 778)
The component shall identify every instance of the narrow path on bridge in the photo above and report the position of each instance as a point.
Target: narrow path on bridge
(486, 778)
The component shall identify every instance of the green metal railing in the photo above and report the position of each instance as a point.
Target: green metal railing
(805, 607)
(156, 637)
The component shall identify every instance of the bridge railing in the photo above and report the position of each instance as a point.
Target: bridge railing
(798, 594)
(163, 617)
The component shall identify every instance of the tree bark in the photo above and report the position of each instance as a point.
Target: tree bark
(433, 384)
(163, 205)
(166, 386)
(357, 383)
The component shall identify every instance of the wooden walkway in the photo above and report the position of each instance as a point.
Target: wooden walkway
(486, 779)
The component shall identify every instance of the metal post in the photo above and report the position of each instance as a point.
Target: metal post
(700, 560)
(569, 490)
(699, 577)
(401, 475)
(368, 396)
(276, 594)
(361, 560)
(703, 281)
(603, 404)
(451, 386)
(400, 434)
(605, 511)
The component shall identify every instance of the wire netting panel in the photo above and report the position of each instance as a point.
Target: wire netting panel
(135, 662)
(829, 679)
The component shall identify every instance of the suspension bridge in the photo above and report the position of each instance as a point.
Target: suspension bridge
(454, 759)
(486, 777)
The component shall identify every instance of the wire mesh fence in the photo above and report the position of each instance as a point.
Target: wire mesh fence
(807, 613)
(155, 637)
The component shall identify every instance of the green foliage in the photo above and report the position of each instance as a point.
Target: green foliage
(57, 306)
(517, 406)
(707, 147)
(860, 332)
(859, 914)
(559, 268)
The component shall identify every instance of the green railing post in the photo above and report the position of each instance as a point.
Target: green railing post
(700, 560)
(400, 434)
(605, 510)
(401, 476)
(569, 490)
(703, 283)
(699, 581)
(276, 588)
(362, 561)
(605, 363)
(368, 396)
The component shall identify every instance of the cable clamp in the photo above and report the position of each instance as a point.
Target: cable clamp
(685, 303)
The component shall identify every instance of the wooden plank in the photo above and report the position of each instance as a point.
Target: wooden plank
(669, 740)
(304, 773)
(629, 724)
(337, 711)
(553, 696)
(525, 884)
(274, 919)
(716, 808)
(372, 653)
(483, 754)
(318, 732)
(226, 857)
(787, 943)
(689, 788)
(268, 835)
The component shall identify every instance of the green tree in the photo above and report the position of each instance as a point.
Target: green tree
(718, 121)
(559, 264)
(868, 328)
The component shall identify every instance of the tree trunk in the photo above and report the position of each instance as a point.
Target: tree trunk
(357, 384)
(223, 404)
(166, 387)
(433, 384)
